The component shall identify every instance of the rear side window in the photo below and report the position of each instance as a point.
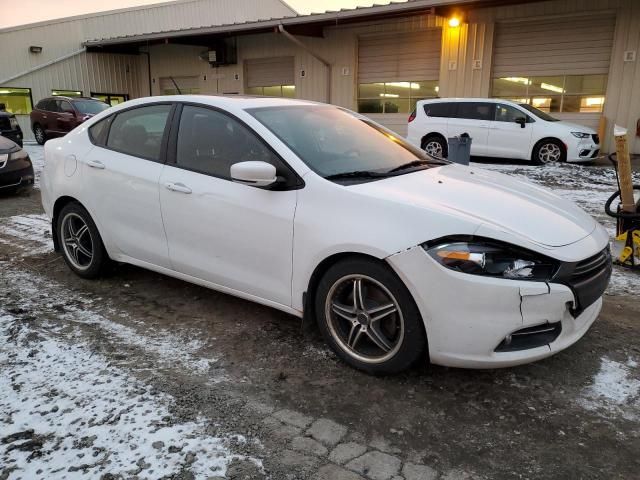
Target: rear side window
(439, 109)
(139, 131)
(475, 110)
(98, 131)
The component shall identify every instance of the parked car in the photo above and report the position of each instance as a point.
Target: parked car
(500, 128)
(318, 211)
(9, 126)
(56, 116)
(16, 169)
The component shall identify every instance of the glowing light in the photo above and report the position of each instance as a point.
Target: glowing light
(553, 88)
(540, 102)
(436, 88)
(389, 95)
(411, 85)
(594, 101)
(454, 22)
(522, 80)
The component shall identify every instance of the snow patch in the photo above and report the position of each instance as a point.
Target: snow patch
(36, 154)
(615, 390)
(31, 233)
(76, 416)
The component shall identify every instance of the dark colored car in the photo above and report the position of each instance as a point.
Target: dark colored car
(16, 169)
(9, 126)
(56, 116)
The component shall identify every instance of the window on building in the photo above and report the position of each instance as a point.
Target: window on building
(16, 100)
(111, 98)
(394, 97)
(66, 93)
(210, 142)
(561, 93)
(286, 91)
(139, 131)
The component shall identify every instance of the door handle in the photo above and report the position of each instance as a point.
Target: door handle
(177, 187)
(96, 164)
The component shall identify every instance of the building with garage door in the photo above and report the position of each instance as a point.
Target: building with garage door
(577, 59)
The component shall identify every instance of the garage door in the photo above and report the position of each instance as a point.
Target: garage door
(268, 72)
(400, 57)
(567, 46)
(559, 66)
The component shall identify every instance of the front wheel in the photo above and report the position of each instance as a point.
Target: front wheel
(436, 146)
(549, 151)
(82, 247)
(38, 132)
(368, 317)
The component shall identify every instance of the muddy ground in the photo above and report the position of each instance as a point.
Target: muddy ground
(138, 375)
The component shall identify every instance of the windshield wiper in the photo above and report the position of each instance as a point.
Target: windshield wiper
(357, 174)
(416, 163)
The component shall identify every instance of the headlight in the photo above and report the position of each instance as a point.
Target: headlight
(13, 122)
(19, 155)
(581, 134)
(493, 259)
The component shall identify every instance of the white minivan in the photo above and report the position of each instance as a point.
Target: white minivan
(500, 128)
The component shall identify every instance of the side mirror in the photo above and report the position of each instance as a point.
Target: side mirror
(522, 121)
(256, 174)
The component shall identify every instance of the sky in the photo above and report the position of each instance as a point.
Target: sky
(30, 11)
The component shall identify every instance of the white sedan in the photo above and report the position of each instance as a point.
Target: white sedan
(320, 212)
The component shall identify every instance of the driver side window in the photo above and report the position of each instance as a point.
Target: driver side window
(210, 142)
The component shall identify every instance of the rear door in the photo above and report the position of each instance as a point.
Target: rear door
(50, 117)
(473, 118)
(121, 180)
(508, 138)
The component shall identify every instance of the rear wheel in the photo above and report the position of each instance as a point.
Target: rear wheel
(369, 318)
(38, 132)
(549, 151)
(436, 146)
(82, 247)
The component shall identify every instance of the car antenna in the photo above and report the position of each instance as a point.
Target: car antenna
(176, 85)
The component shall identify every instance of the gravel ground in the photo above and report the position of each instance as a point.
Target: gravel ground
(143, 376)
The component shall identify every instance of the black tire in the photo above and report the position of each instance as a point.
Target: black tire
(38, 132)
(405, 323)
(433, 144)
(82, 265)
(543, 151)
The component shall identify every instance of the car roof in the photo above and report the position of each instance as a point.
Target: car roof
(478, 99)
(224, 101)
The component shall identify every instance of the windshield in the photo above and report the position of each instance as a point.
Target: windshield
(90, 107)
(333, 141)
(539, 113)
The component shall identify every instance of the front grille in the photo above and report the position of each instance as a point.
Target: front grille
(530, 337)
(596, 138)
(588, 279)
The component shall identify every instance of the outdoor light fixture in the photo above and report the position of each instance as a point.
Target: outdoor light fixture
(35, 49)
(454, 22)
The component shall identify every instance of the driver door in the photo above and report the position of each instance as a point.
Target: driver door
(507, 138)
(233, 235)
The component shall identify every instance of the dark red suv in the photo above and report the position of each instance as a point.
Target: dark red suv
(55, 116)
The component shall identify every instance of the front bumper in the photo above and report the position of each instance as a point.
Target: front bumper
(16, 174)
(467, 316)
(582, 150)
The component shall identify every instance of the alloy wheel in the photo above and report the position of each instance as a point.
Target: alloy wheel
(364, 318)
(434, 149)
(549, 152)
(77, 241)
(39, 133)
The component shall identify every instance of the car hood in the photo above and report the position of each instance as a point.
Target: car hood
(490, 198)
(575, 127)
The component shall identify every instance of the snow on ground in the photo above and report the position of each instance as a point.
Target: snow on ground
(587, 186)
(67, 412)
(36, 154)
(30, 233)
(167, 348)
(615, 390)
